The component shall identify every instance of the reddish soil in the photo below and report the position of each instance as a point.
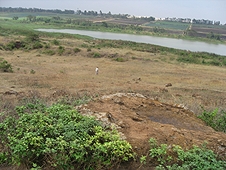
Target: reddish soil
(140, 118)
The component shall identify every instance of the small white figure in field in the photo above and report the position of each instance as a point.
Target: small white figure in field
(97, 70)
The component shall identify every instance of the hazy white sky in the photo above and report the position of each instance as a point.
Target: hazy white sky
(198, 9)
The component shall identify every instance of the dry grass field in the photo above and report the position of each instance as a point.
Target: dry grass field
(73, 73)
(141, 72)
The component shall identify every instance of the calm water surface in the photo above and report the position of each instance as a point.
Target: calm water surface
(166, 42)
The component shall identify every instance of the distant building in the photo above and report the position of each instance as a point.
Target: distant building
(194, 21)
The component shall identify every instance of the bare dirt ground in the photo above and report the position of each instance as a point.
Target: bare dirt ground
(132, 95)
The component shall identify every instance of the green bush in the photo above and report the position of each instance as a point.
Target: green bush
(120, 59)
(76, 50)
(61, 50)
(159, 152)
(32, 37)
(174, 157)
(61, 138)
(215, 119)
(56, 42)
(5, 66)
(197, 158)
(32, 71)
(37, 45)
(47, 46)
(10, 46)
(96, 55)
(49, 52)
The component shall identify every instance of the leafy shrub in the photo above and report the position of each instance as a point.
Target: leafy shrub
(76, 50)
(189, 59)
(61, 49)
(61, 138)
(159, 152)
(96, 55)
(5, 66)
(32, 37)
(32, 71)
(37, 45)
(49, 52)
(215, 119)
(174, 157)
(47, 46)
(197, 158)
(56, 42)
(120, 59)
(10, 46)
(215, 62)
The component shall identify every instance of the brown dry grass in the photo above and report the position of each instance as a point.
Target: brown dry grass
(142, 72)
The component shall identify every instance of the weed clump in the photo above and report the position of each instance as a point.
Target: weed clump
(5, 66)
(76, 50)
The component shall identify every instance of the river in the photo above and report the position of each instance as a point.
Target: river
(195, 46)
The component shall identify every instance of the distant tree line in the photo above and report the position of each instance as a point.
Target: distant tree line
(78, 12)
(10, 9)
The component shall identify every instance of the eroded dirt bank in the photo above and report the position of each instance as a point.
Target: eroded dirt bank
(140, 118)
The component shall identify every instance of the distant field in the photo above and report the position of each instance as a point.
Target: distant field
(203, 30)
(168, 25)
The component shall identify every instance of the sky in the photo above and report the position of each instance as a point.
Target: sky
(194, 9)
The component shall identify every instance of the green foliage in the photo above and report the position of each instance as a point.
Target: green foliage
(143, 159)
(213, 36)
(56, 42)
(76, 50)
(5, 66)
(96, 55)
(215, 119)
(159, 152)
(61, 49)
(174, 157)
(32, 37)
(29, 43)
(32, 71)
(47, 46)
(37, 45)
(120, 59)
(61, 138)
(10, 46)
(197, 158)
(49, 52)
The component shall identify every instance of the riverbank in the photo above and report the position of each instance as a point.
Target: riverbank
(165, 42)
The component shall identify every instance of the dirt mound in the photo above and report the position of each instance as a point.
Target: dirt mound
(139, 118)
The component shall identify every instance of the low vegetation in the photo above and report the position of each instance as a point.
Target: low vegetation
(215, 119)
(174, 157)
(5, 66)
(58, 136)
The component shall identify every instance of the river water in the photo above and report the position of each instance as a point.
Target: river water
(166, 42)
